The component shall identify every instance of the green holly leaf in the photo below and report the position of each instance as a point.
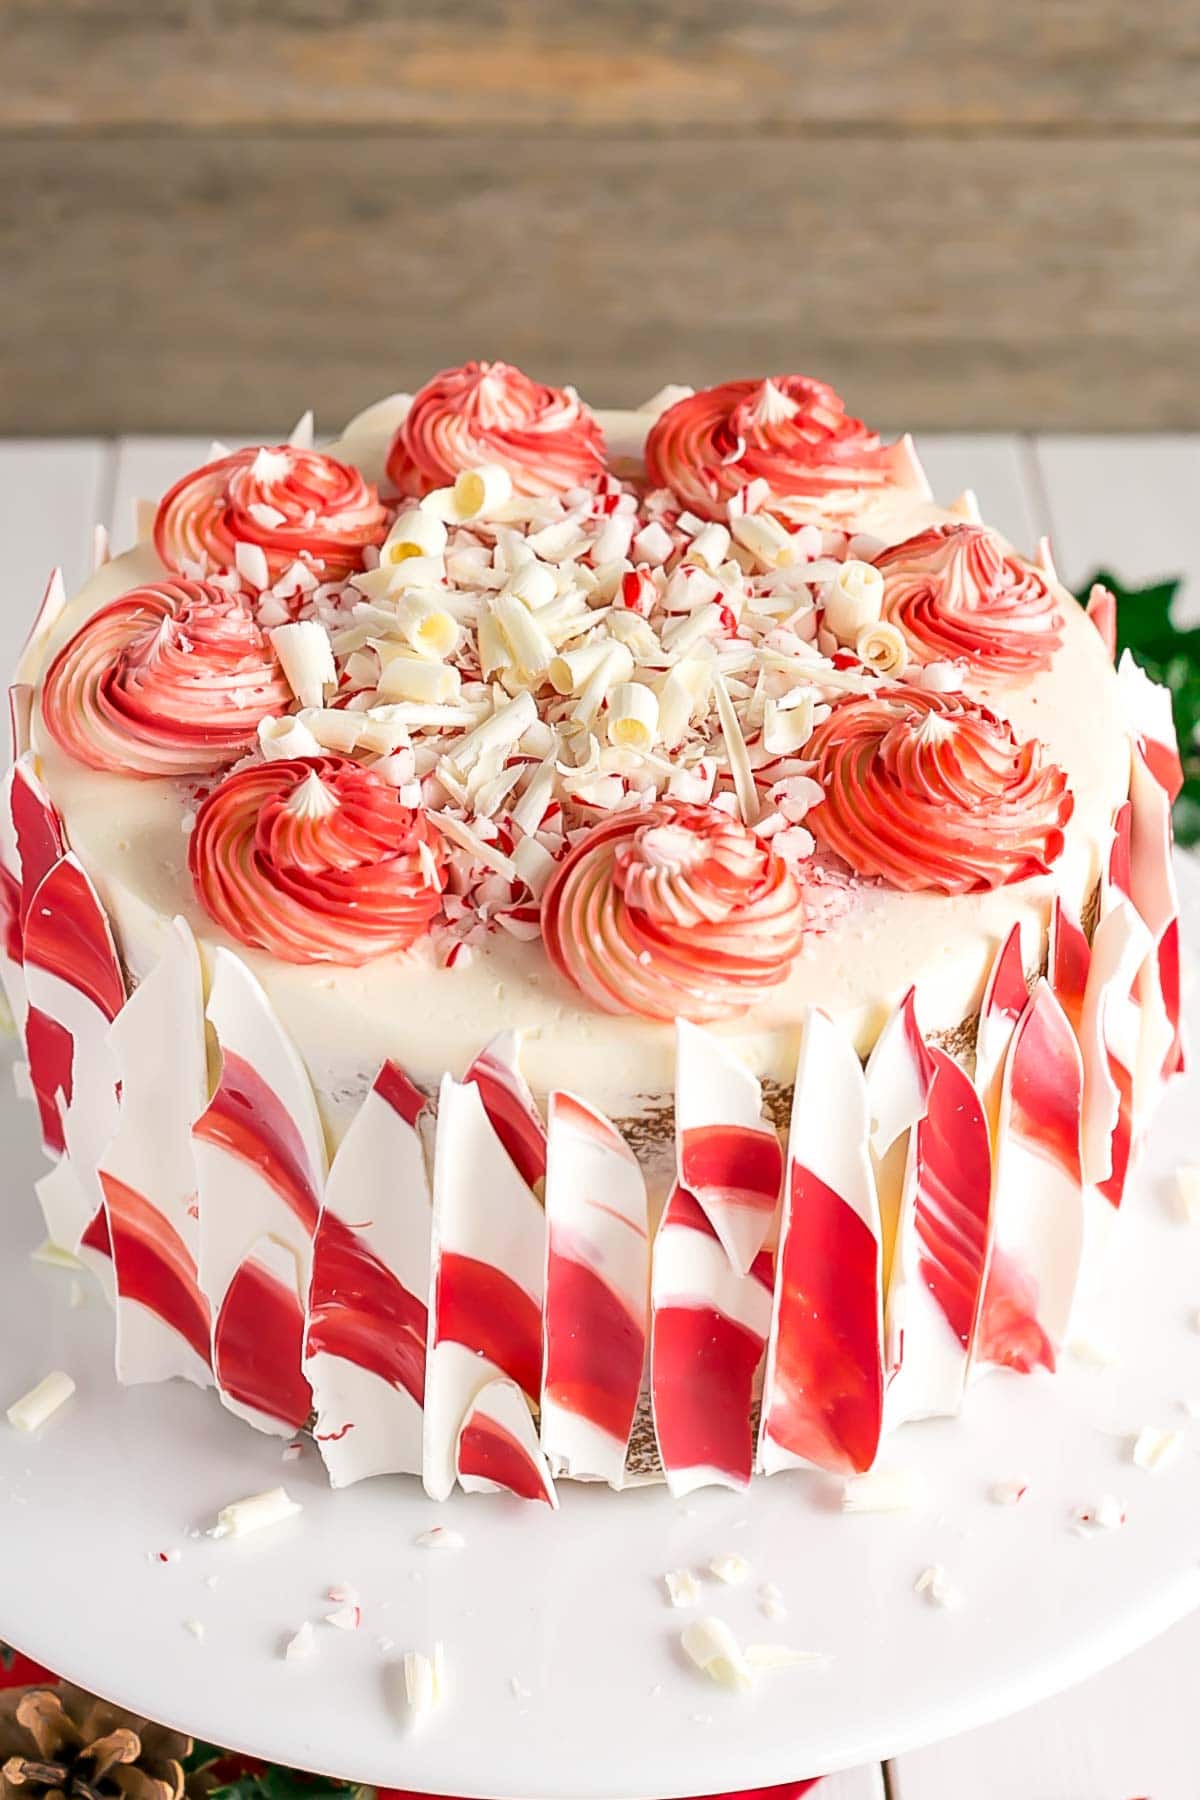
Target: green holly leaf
(1145, 629)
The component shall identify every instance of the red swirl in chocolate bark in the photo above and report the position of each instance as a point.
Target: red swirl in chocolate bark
(673, 912)
(171, 679)
(788, 430)
(955, 591)
(932, 791)
(316, 860)
(545, 437)
(283, 500)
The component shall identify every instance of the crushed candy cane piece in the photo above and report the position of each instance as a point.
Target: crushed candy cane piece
(881, 1490)
(682, 1587)
(345, 1618)
(241, 1517)
(711, 1645)
(1105, 1514)
(1008, 1492)
(302, 1646)
(1155, 1448)
(440, 1537)
(41, 1402)
(937, 1588)
(165, 1556)
(730, 1566)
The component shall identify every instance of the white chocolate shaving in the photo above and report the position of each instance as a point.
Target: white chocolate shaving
(683, 1588)
(250, 561)
(1187, 1193)
(711, 1645)
(333, 727)
(632, 715)
(1155, 1449)
(461, 834)
(424, 1682)
(41, 1402)
(853, 600)
(882, 647)
(306, 658)
(937, 1588)
(735, 747)
(303, 1645)
(417, 532)
(282, 739)
(730, 1566)
(407, 677)
(241, 1517)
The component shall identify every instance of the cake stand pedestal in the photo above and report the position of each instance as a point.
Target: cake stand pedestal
(565, 1672)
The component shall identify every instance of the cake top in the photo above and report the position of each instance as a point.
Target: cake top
(665, 713)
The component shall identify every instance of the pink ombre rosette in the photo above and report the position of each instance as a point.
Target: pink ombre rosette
(597, 1274)
(148, 1171)
(728, 1155)
(1038, 1200)
(367, 1301)
(823, 1390)
(170, 679)
(939, 1258)
(485, 1325)
(75, 990)
(260, 1167)
(316, 860)
(673, 911)
(955, 591)
(484, 413)
(789, 431)
(283, 502)
(932, 791)
(708, 1333)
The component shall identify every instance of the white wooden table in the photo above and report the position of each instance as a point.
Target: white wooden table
(1130, 504)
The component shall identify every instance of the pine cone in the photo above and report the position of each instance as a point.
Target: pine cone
(62, 1744)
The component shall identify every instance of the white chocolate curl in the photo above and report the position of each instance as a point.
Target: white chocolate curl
(415, 533)
(632, 716)
(709, 547)
(765, 539)
(35, 1407)
(787, 729)
(882, 648)
(569, 671)
(426, 627)
(306, 658)
(476, 494)
(282, 739)
(853, 600)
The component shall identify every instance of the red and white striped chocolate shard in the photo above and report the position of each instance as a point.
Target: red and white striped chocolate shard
(1149, 715)
(12, 980)
(367, 1300)
(941, 1248)
(75, 990)
(1038, 1197)
(728, 1156)
(1155, 895)
(899, 1074)
(50, 609)
(1004, 1000)
(709, 1326)
(260, 1168)
(489, 1255)
(597, 1282)
(823, 1392)
(498, 1451)
(148, 1171)
(32, 840)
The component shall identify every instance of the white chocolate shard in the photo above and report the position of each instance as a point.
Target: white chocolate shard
(303, 1645)
(41, 1402)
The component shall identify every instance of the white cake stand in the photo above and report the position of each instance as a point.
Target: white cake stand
(566, 1677)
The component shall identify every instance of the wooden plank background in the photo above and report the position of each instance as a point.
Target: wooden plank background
(215, 211)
